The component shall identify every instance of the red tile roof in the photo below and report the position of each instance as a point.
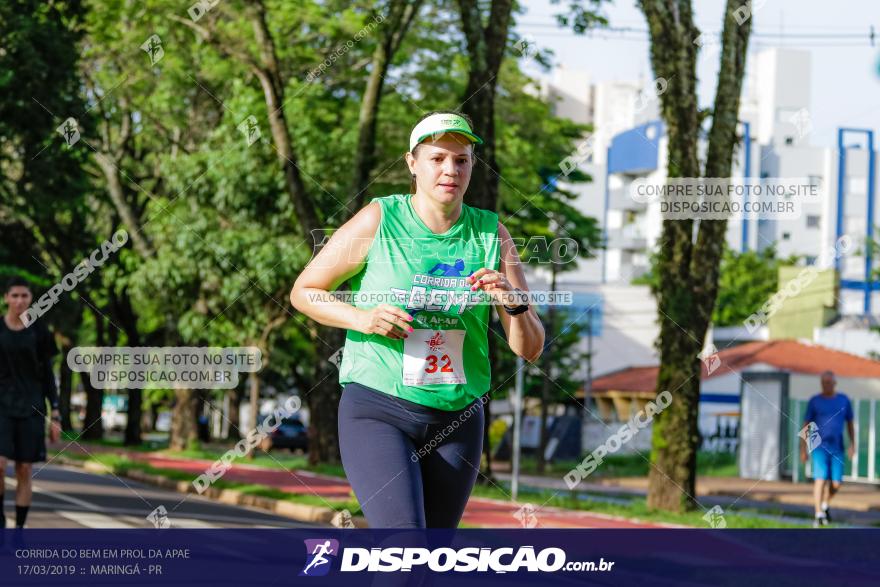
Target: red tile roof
(631, 379)
(785, 355)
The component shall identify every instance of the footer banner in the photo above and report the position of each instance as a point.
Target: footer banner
(332, 556)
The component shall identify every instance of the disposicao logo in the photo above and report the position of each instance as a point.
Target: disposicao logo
(320, 554)
(323, 551)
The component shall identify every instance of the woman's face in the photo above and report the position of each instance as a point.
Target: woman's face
(443, 167)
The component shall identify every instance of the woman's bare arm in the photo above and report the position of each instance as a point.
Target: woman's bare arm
(525, 333)
(341, 258)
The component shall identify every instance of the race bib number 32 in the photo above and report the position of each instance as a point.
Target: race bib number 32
(433, 356)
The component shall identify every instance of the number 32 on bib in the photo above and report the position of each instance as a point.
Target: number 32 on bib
(433, 356)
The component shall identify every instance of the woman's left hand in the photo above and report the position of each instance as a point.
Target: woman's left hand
(493, 283)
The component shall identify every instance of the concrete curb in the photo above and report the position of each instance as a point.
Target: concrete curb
(288, 509)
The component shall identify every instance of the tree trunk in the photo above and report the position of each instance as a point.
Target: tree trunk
(65, 388)
(124, 312)
(688, 270)
(394, 28)
(135, 415)
(323, 401)
(153, 415)
(485, 46)
(269, 74)
(201, 403)
(235, 396)
(93, 428)
(110, 167)
(254, 389)
(183, 419)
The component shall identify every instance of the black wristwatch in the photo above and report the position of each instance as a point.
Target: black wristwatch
(514, 310)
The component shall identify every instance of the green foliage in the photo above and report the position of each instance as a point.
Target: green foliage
(745, 282)
(582, 15)
(44, 187)
(637, 465)
(225, 244)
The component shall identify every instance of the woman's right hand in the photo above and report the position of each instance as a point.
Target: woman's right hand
(386, 320)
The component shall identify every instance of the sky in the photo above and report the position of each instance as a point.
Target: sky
(845, 85)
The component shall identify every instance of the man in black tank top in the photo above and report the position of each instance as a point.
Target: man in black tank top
(26, 383)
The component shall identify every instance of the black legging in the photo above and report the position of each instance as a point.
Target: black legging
(410, 466)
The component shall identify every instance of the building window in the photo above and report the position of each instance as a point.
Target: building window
(786, 236)
(812, 221)
(810, 260)
(789, 140)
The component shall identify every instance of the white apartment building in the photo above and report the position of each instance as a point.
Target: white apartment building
(629, 144)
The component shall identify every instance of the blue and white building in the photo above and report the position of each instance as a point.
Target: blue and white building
(629, 144)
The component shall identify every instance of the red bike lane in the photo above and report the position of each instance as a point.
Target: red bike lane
(480, 512)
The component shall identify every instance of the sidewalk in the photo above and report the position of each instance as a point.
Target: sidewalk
(858, 503)
(480, 512)
(852, 496)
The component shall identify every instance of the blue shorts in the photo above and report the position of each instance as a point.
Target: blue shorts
(828, 465)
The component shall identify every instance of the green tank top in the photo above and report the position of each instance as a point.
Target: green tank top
(444, 363)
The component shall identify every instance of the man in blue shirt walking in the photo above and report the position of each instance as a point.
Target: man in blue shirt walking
(823, 424)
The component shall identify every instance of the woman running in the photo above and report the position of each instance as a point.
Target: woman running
(423, 268)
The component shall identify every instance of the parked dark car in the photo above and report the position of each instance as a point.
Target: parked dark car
(290, 435)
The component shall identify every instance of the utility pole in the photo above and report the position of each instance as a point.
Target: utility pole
(588, 389)
(517, 426)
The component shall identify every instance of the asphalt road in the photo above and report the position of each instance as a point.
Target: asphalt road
(66, 497)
